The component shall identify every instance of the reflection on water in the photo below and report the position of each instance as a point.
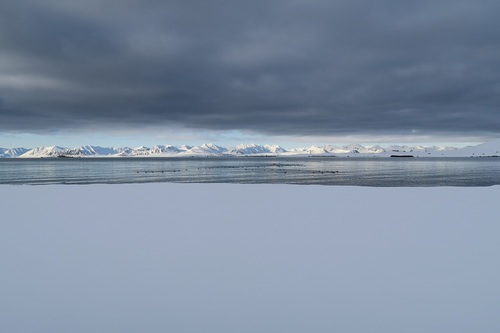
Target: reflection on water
(325, 171)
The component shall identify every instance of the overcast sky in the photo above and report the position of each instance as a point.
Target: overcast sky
(225, 70)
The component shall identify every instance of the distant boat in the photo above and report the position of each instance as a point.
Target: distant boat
(402, 156)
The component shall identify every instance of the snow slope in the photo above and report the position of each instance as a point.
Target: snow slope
(490, 148)
(12, 152)
(52, 151)
(206, 149)
(253, 149)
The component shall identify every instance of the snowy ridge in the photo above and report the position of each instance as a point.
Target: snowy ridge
(206, 149)
(52, 151)
(491, 148)
(251, 149)
(13, 152)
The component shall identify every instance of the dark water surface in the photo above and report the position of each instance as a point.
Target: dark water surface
(267, 170)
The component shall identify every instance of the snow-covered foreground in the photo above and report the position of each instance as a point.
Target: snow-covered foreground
(248, 258)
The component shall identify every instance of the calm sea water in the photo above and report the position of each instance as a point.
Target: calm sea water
(251, 170)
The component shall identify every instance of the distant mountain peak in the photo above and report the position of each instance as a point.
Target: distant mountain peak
(491, 148)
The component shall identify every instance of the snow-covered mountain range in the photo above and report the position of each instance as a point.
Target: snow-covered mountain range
(491, 148)
(12, 152)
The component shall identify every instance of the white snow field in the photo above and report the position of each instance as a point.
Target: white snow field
(249, 258)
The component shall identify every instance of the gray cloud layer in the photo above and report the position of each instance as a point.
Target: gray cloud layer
(280, 67)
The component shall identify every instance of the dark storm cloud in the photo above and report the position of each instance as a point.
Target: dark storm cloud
(282, 67)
